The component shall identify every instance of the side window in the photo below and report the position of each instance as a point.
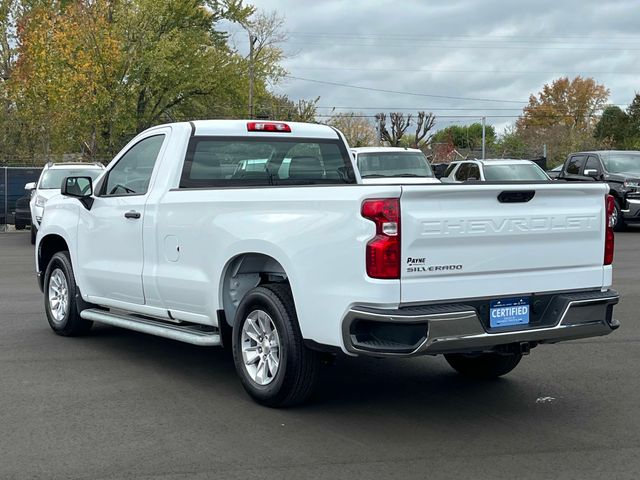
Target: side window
(449, 169)
(132, 173)
(463, 172)
(474, 171)
(574, 167)
(592, 163)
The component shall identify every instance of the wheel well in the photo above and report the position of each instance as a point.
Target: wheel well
(49, 246)
(245, 272)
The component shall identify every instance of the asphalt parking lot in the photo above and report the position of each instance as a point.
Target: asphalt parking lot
(119, 404)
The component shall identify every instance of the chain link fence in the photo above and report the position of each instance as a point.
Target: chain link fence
(14, 199)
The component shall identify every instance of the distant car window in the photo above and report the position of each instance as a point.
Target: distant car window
(622, 163)
(575, 165)
(514, 172)
(463, 172)
(474, 172)
(592, 163)
(52, 178)
(132, 174)
(394, 164)
(449, 169)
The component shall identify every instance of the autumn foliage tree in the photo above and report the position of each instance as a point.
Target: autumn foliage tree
(570, 103)
(64, 78)
(87, 75)
(562, 116)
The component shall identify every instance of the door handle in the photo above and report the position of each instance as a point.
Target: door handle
(132, 214)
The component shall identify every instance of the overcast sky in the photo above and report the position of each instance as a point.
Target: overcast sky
(477, 50)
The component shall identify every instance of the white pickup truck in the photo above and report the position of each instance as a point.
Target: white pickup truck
(261, 236)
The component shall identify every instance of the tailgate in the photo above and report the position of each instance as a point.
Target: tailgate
(460, 241)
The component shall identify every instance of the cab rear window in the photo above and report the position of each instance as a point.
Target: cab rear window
(258, 161)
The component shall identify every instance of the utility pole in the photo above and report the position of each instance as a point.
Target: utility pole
(252, 42)
(484, 137)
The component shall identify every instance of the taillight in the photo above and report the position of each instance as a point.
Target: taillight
(277, 127)
(383, 251)
(610, 207)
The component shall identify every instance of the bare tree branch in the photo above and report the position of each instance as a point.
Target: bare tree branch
(424, 124)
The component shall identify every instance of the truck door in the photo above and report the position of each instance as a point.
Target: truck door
(110, 249)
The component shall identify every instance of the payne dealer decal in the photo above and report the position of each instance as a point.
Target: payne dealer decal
(420, 265)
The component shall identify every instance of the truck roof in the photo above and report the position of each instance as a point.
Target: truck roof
(383, 149)
(608, 152)
(496, 161)
(238, 128)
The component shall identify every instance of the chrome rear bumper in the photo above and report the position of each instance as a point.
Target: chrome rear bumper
(449, 328)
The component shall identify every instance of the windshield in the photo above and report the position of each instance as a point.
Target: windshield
(394, 164)
(521, 171)
(621, 163)
(52, 178)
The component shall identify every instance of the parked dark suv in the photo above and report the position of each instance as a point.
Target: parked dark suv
(620, 169)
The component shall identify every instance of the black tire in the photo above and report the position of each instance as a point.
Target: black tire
(483, 365)
(69, 323)
(34, 232)
(621, 225)
(298, 367)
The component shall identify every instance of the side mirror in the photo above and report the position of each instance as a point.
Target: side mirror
(593, 173)
(80, 188)
(30, 186)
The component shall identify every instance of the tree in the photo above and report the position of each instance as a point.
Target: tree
(356, 128)
(173, 59)
(265, 35)
(8, 9)
(612, 129)
(399, 125)
(87, 75)
(90, 74)
(570, 103)
(9, 125)
(305, 110)
(633, 112)
(424, 124)
(562, 116)
(510, 144)
(281, 107)
(466, 136)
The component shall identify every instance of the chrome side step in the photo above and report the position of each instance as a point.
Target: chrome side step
(188, 334)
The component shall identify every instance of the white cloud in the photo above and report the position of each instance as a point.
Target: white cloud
(491, 49)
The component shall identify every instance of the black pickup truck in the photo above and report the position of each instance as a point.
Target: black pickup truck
(620, 169)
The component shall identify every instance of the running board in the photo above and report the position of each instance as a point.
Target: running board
(188, 334)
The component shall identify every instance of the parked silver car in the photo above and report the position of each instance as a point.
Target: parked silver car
(493, 170)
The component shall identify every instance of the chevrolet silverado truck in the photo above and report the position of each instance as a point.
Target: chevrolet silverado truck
(295, 260)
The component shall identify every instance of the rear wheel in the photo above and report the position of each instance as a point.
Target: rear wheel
(274, 365)
(483, 365)
(34, 232)
(60, 298)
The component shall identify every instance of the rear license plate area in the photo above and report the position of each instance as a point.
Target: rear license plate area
(509, 312)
